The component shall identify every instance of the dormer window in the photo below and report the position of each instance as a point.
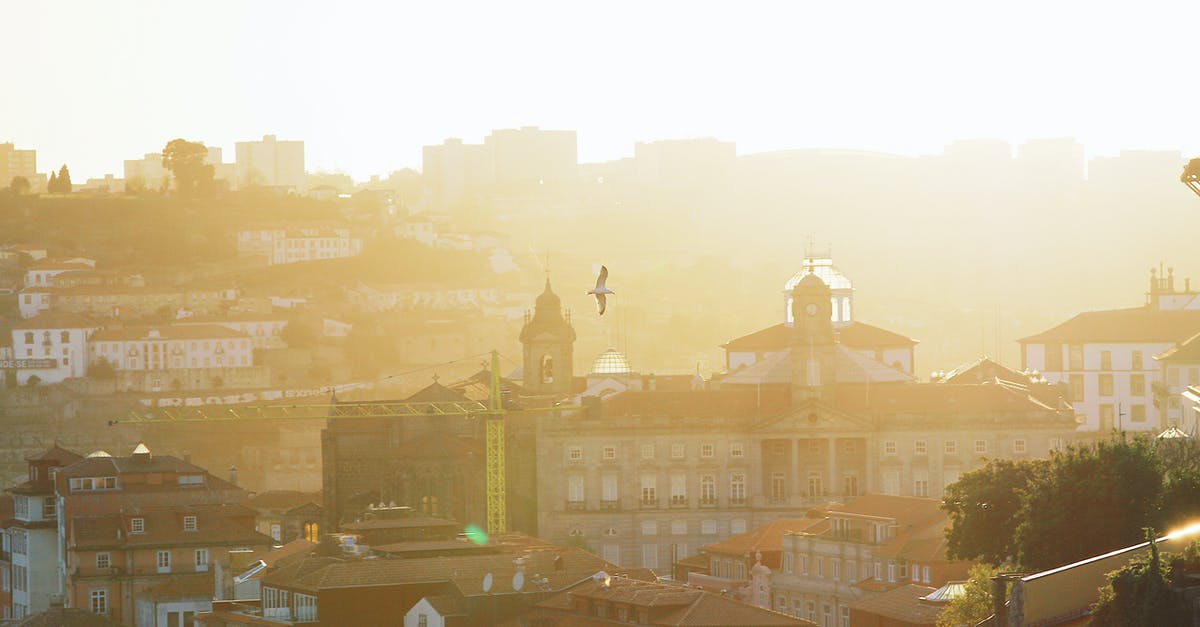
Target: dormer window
(189, 523)
(137, 525)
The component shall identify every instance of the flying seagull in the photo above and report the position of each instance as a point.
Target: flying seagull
(600, 291)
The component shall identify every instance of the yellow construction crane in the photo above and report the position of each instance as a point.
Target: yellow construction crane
(1191, 175)
(493, 411)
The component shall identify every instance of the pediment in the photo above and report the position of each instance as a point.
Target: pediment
(814, 416)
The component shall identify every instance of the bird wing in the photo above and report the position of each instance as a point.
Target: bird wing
(602, 278)
(601, 301)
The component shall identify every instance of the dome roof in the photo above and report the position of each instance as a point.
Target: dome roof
(611, 361)
(99, 453)
(823, 269)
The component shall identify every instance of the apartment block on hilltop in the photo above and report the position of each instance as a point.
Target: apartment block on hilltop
(270, 163)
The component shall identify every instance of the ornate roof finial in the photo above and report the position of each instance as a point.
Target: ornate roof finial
(435, 377)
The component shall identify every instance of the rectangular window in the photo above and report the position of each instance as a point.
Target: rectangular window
(677, 450)
(575, 488)
(99, 600)
(1077, 387)
(891, 482)
(708, 527)
(736, 450)
(163, 561)
(815, 484)
(200, 559)
(708, 489)
(678, 489)
(189, 523)
(649, 489)
(649, 528)
(1106, 416)
(1137, 385)
(950, 447)
(706, 451)
(778, 487)
(1075, 357)
(920, 483)
(1019, 446)
(920, 448)
(103, 561)
(609, 452)
(647, 451)
(889, 447)
(137, 525)
(1137, 413)
(835, 569)
(650, 556)
(608, 488)
(980, 447)
(575, 453)
(1136, 360)
(1106, 360)
(804, 565)
(737, 488)
(1106, 385)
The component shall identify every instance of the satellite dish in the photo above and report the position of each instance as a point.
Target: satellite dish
(518, 581)
(487, 582)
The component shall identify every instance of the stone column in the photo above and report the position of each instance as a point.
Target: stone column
(832, 487)
(794, 480)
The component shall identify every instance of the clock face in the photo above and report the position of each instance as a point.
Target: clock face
(811, 308)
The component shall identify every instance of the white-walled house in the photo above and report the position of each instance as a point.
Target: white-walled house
(172, 347)
(1108, 359)
(32, 301)
(56, 344)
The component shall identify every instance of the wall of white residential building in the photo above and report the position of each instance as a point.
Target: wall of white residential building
(1110, 388)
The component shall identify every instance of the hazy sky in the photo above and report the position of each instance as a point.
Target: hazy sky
(366, 84)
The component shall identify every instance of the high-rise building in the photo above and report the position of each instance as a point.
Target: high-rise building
(14, 163)
(271, 163)
(532, 155)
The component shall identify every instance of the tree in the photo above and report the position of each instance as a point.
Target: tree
(52, 184)
(1180, 498)
(64, 180)
(1088, 500)
(102, 370)
(188, 162)
(1139, 593)
(975, 604)
(20, 185)
(984, 506)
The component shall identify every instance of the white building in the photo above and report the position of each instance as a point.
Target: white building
(313, 244)
(263, 330)
(42, 273)
(172, 347)
(147, 172)
(57, 344)
(32, 301)
(1108, 359)
(271, 163)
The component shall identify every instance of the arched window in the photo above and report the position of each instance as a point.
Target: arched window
(312, 531)
(547, 369)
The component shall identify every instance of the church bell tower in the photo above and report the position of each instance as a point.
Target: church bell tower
(549, 341)
(814, 353)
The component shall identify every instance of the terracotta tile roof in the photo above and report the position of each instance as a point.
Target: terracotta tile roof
(447, 605)
(729, 403)
(852, 367)
(768, 537)
(57, 454)
(935, 398)
(1185, 352)
(907, 511)
(1140, 324)
(201, 585)
(465, 572)
(922, 542)
(853, 335)
(66, 617)
(168, 332)
(289, 552)
(163, 527)
(669, 604)
(901, 604)
(57, 320)
(984, 370)
(436, 392)
(110, 466)
(432, 546)
(283, 499)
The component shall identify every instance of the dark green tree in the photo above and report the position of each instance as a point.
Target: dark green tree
(64, 180)
(19, 186)
(975, 604)
(1139, 593)
(1180, 498)
(52, 184)
(187, 161)
(102, 370)
(984, 506)
(1088, 500)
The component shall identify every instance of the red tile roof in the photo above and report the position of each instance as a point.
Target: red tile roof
(168, 332)
(900, 604)
(984, 370)
(57, 320)
(57, 454)
(935, 398)
(215, 525)
(1140, 324)
(853, 335)
(283, 499)
(1185, 352)
(768, 537)
(907, 511)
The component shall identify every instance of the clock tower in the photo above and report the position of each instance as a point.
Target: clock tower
(814, 353)
(549, 340)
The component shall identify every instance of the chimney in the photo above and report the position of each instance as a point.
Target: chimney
(999, 602)
(233, 475)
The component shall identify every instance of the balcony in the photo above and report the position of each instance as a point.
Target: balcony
(737, 501)
(610, 505)
(649, 502)
(708, 502)
(678, 502)
(576, 506)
